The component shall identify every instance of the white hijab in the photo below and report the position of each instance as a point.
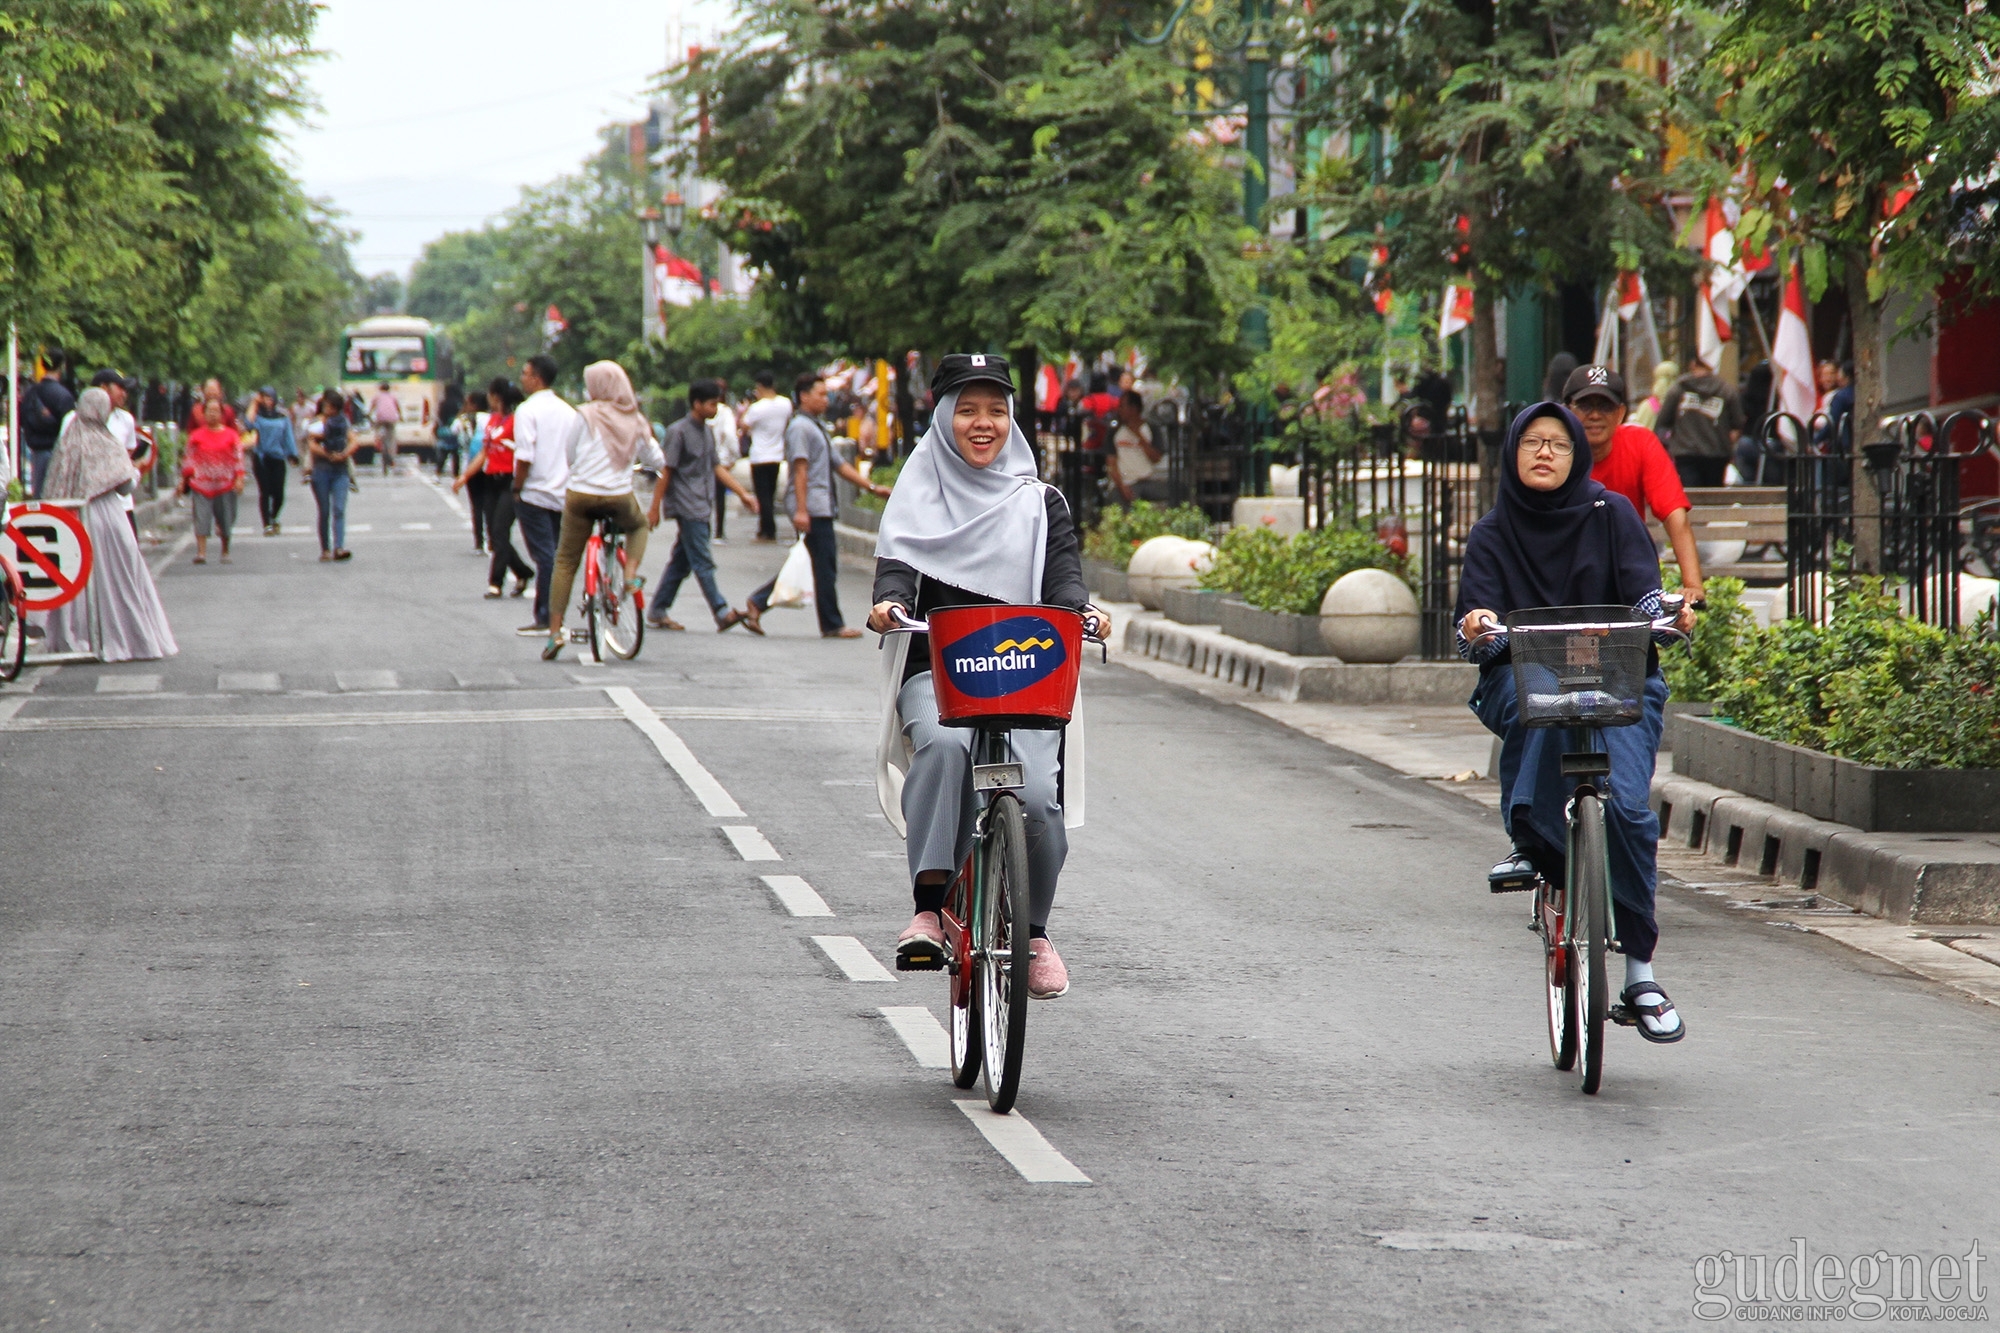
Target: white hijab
(985, 530)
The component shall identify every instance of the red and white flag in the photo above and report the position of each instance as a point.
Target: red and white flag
(1048, 387)
(1723, 282)
(1631, 294)
(1455, 314)
(1791, 352)
(676, 280)
(554, 326)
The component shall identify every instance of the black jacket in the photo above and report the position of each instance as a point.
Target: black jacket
(1062, 581)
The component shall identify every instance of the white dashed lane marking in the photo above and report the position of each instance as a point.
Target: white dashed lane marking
(852, 957)
(351, 681)
(1023, 1146)
(247, 682)
(798, 896)
(750, 844)
(414, 527)
(128, 684)
(674, 750)
(922, 1033)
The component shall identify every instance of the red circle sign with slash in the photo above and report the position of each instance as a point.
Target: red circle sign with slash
(52, 551)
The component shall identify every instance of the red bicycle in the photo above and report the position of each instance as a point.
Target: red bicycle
(609, 624)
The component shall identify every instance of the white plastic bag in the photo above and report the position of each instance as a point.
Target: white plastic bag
(795, 580)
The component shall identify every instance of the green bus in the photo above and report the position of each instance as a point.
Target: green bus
(412, 356)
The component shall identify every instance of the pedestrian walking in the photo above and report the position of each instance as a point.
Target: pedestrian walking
(212, 473)
(43, 408)
(610, 434)
(271, 457)
(384, 411)
(809, 454)
(764, 422)
(93, 465)
(472, 478)
(211, 392)
(123, 428)
(492, 471)
(542, 425)
(688, 483)
(723, 429)
(330, 444)
(1700, 420)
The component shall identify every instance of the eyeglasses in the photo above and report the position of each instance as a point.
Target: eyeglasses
(1559, 445)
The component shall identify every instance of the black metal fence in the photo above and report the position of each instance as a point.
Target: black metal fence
(1420, 484)
(1213, 454)
(1914, 509)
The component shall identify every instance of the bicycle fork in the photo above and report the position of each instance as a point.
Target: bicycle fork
(1583, 760)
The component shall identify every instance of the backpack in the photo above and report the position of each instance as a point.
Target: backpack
(38, 419)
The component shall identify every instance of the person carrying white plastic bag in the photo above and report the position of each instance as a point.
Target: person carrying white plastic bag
(810, 457)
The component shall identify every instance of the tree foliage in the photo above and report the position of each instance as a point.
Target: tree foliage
(1509, 143)
(142, 215)
(979, 175)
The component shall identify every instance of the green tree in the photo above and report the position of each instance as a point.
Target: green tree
(1511, 143)
(1865, 132)
(981, 175)
(456, 272)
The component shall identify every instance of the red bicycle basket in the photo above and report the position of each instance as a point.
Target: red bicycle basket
(1005, 666)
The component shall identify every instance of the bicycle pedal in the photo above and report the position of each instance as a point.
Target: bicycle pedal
(1622, 1015)
(919, 958)
(579, 636)
(1513, 884)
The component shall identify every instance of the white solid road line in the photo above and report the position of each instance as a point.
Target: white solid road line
(852, 957)
(799, 897)
(437, 488)
(750, 844)
(1023, 1146)
(166, 557)
(922, 1033)
(674, 750)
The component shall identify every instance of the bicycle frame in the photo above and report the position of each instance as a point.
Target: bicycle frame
(1584, 757)
(994, 770)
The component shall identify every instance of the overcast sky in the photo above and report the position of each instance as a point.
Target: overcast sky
(433, 116)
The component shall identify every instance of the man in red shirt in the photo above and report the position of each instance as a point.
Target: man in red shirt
(1631, 461)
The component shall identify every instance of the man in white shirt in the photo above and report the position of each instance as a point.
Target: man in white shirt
(764, 421)
(542, 424)
(722, 428)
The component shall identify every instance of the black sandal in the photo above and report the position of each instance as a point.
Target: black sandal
(1512, 875)
(1630, 1013)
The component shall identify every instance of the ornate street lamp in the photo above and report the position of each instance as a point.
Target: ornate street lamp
(675, 210)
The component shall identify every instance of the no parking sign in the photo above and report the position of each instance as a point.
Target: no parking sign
(52, 550)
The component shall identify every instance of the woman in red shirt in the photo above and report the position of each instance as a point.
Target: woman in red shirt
(494, 464)
(212, 470)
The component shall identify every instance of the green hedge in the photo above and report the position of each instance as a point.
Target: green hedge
(1870, 685)
(1119, 532)
(883, 474)
(1292, 574)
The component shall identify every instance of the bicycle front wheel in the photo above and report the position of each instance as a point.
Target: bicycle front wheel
(1589, 906)
(1555, 977)
(966, 1032)
(1002, 951)
(13, 639)
(621, 626)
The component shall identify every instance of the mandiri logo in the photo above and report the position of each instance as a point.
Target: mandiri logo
(1005, 657)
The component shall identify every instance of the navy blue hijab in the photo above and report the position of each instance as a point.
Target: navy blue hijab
(1578, 545)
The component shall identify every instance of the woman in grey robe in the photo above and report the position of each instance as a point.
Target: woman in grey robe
(119, 602)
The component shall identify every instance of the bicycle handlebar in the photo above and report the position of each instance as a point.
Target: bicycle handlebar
(908, 624)
(1666, 624)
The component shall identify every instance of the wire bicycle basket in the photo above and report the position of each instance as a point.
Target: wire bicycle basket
(1580, 666)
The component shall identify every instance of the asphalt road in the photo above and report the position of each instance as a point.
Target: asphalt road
(436, 1000)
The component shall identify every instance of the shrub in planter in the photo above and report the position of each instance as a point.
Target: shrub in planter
(883, 474)
(1292, 574)
(1870, 685)
(1119, 532)
(1696, 672)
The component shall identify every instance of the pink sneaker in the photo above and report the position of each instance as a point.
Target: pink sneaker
(1048, 979)
(920, 948)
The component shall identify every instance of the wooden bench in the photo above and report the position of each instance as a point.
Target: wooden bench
(1754, 515)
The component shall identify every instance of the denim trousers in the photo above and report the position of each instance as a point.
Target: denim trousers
(1534, 792)
(539, 529)
(692, 555)
(330, 494)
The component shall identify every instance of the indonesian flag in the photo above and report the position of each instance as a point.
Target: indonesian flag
(1048, 387)
(1791, 352)
(1378, 280)
(554, 326)
(1456, 312)
(676, 280)
(1631, 294)
(1720, 286)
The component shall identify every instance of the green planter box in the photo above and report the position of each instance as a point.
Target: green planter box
(1192, 606)
(1824, 786)
(1106, 581)
(1297, 635)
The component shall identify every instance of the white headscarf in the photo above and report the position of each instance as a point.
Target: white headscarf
(88, 460)
(985, 530)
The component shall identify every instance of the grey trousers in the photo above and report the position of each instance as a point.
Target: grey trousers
(938, 801)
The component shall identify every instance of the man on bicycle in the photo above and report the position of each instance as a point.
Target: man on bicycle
(970, 523)
(1557, 538)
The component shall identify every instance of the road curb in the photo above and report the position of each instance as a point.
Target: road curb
(1291, 678)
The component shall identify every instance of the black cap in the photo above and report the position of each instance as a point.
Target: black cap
(959, 369)
(107, 376)
(1594, 382)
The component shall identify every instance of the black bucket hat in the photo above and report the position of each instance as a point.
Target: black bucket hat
(959, 369)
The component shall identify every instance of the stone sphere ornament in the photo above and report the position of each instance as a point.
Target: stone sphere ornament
(1370, 615)
(1166, 562)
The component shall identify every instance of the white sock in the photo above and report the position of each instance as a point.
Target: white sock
(1636, 971)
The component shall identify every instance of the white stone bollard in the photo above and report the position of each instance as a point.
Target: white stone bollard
(1370, 615)
(1166, 562)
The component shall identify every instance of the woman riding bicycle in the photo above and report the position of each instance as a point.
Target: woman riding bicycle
(1556, 538)
(970, 523)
